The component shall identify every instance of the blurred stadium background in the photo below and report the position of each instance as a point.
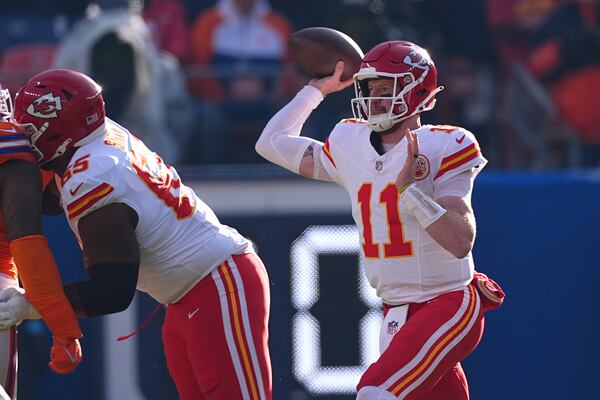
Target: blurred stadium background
(520, 74)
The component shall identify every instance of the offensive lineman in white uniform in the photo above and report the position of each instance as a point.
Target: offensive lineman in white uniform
(139, 225)
(410, 188)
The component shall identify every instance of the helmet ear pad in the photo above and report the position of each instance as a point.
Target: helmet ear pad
(58, 109)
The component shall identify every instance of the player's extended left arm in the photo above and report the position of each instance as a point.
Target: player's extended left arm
(455, 230)
(449, 220)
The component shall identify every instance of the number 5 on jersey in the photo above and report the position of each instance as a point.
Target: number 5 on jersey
(396, 246)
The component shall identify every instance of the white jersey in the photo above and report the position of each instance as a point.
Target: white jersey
(403, 263)
(180, 238)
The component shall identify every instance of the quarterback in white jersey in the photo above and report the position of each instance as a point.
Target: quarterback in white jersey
(410, 188)
(403, 262)
(140, 226)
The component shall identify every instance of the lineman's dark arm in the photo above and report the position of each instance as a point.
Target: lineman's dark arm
(112, 257)
(21, 198)
(51, 200)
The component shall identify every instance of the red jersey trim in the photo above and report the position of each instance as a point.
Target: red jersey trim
(85, 202)
(459, 158)
(328, 152)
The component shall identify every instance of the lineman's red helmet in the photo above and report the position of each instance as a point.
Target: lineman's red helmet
(58, 108)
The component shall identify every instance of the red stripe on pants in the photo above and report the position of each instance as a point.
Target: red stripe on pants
(236, 329)
(426, 351)
(199, 329)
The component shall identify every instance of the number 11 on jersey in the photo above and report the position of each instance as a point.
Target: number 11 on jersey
(396, 246)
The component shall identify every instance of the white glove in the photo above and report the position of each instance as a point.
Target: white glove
(14, 307)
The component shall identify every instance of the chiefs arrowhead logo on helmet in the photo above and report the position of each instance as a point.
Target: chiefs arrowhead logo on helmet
(416, 59)
(46, 106)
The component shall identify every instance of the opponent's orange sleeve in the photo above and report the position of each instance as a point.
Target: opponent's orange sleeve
(7, 263)
(47, 178)
(43, 287)
(14, 145)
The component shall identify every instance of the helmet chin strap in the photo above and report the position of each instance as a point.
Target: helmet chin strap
(59, 152)
(34, 134)
(386, 121)
(381, 122)
(62, 148)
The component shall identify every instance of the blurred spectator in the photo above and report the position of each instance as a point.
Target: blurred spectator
(144, 88)
(193, 8)
(566, 59)
(167, 22)
(365, 21)
(460, 41)
(239, 40)
(31, 31)
(239, 50)
(19, 63)
(362, 20)
(513, 22)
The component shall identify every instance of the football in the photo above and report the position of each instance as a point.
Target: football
(317, 50)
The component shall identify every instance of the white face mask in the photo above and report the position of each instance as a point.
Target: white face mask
(5, 104)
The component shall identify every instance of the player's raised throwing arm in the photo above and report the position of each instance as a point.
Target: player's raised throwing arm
(280, 141)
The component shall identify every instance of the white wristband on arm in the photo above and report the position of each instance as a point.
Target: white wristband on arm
(424, 208)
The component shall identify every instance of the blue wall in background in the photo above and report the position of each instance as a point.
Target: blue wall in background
(537, 236)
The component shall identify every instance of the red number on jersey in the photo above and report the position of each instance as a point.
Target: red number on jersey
(162, 181)
(396, 246)
(364, 199)
(79, 165)
(159, 178)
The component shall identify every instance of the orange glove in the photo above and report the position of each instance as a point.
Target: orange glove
(65, 355)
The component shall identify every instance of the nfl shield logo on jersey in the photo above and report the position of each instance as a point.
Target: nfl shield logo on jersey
(392, 327)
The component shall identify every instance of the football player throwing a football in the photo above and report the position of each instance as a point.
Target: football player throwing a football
(410, 187)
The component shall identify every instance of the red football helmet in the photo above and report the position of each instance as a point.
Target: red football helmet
(5, 104)
(58, 108)
(415, 83)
